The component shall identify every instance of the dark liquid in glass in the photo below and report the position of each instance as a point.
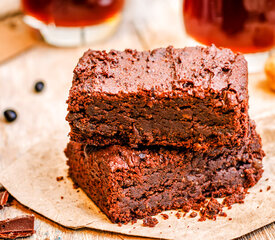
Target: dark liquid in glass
(72, 13)
(246, 26)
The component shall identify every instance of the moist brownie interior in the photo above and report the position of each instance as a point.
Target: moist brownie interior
(127, 183)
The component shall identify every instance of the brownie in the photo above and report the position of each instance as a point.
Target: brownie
(128, 183)
(193, 97)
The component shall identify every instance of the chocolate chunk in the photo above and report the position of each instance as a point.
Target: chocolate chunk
(22, 226)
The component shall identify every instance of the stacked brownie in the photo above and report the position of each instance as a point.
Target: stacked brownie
(161, 129)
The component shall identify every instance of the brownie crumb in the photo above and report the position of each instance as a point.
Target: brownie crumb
(196, 206)
(212, 209)
(222, 214)
(201, 219)
(164, 216)
(62, 197)
(133, 221)
(150, 222)
(268, 188)
(58, 179)
(261, 190)
(178, 215)
(186, 208)
(266, 179)
(229, 219)
(119, 224)
(193, 214)
(75, 186)
(237, 197)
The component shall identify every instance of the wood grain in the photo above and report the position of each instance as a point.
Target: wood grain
(150, 24)
(16, 37)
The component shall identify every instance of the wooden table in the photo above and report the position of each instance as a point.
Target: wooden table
(146, 24)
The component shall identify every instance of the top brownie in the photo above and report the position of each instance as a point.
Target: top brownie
(190, 97)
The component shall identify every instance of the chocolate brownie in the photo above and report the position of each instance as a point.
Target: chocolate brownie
(128, 183)
(194, 97)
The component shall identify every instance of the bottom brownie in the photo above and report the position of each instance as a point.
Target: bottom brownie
(127, 183)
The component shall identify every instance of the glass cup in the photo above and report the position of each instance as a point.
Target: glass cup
(69, 23)
(246, 26)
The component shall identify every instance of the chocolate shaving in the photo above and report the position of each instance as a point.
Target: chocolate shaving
(22, 226)
(4, 196)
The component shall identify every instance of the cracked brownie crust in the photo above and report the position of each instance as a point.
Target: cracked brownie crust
(191, 97)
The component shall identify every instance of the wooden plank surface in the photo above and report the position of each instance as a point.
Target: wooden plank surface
(147, 24)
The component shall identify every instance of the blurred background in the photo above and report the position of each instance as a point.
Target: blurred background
(246, 26)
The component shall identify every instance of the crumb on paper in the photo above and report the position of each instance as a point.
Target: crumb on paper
(212, 209)
(178, 215)
(193, 214)
(150, 222)
(164, 216)
(196, 206)
(268, 188)
(60, 178)
(222, 214)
